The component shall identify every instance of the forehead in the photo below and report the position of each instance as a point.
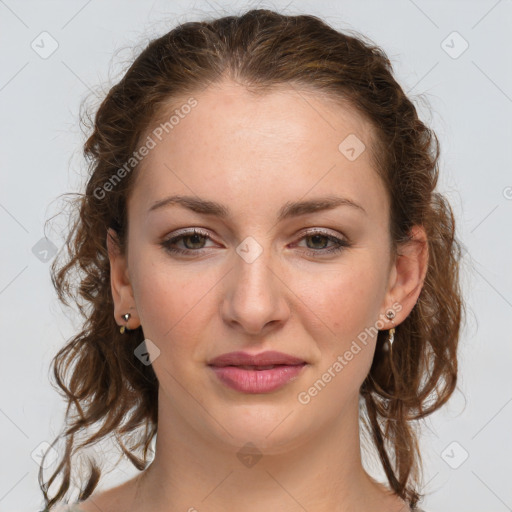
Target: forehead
(288, 140)
(291, 109)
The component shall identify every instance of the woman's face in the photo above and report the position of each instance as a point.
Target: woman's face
(254, 279)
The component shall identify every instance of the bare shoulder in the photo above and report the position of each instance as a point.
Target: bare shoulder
(109, 500)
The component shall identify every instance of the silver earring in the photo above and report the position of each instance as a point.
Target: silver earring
(391, 314)
(124, 328)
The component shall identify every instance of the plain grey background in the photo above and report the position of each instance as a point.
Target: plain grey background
(451, 57)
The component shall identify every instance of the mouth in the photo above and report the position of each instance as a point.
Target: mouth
(254, 379)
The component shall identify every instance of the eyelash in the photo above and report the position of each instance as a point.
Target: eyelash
(341, 244)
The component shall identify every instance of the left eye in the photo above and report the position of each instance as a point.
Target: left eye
(340, 244)
(196, 245)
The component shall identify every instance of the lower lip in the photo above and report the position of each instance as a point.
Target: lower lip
(257, 381)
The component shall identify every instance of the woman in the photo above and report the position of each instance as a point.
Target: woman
(264, 267)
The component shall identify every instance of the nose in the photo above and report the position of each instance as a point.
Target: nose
(255, 298)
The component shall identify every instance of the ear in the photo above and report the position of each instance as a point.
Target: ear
(407, 276)
(122, 292)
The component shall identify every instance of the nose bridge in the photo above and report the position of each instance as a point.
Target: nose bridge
(254, 298)
(254, 271)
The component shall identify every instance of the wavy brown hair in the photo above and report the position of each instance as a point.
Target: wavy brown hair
(97, 371)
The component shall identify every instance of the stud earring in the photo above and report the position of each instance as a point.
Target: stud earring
(124, 328)
(390, 314)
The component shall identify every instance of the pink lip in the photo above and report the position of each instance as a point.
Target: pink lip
(257, 381)
(262, 359)
(227, 368)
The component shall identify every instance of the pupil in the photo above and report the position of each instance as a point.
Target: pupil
(194, 238)
(317, 237)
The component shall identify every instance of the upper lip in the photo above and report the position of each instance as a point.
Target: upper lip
(262, 359)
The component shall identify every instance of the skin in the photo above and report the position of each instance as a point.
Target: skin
(253, 154)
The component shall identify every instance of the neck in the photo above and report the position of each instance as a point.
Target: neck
(320, 473)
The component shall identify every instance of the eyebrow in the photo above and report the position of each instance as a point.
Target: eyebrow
(290, 209)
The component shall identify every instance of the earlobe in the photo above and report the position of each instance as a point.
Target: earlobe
(409, 272)
(122, 292)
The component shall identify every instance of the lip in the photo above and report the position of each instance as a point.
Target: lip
(263, 359)
(228, 368)
(257, 381)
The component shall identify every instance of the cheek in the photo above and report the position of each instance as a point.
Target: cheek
(345, 300)
(343, 309)
(171, 302)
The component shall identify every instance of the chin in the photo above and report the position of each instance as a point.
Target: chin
(272, 428)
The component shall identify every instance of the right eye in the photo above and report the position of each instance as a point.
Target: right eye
(194, 235)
